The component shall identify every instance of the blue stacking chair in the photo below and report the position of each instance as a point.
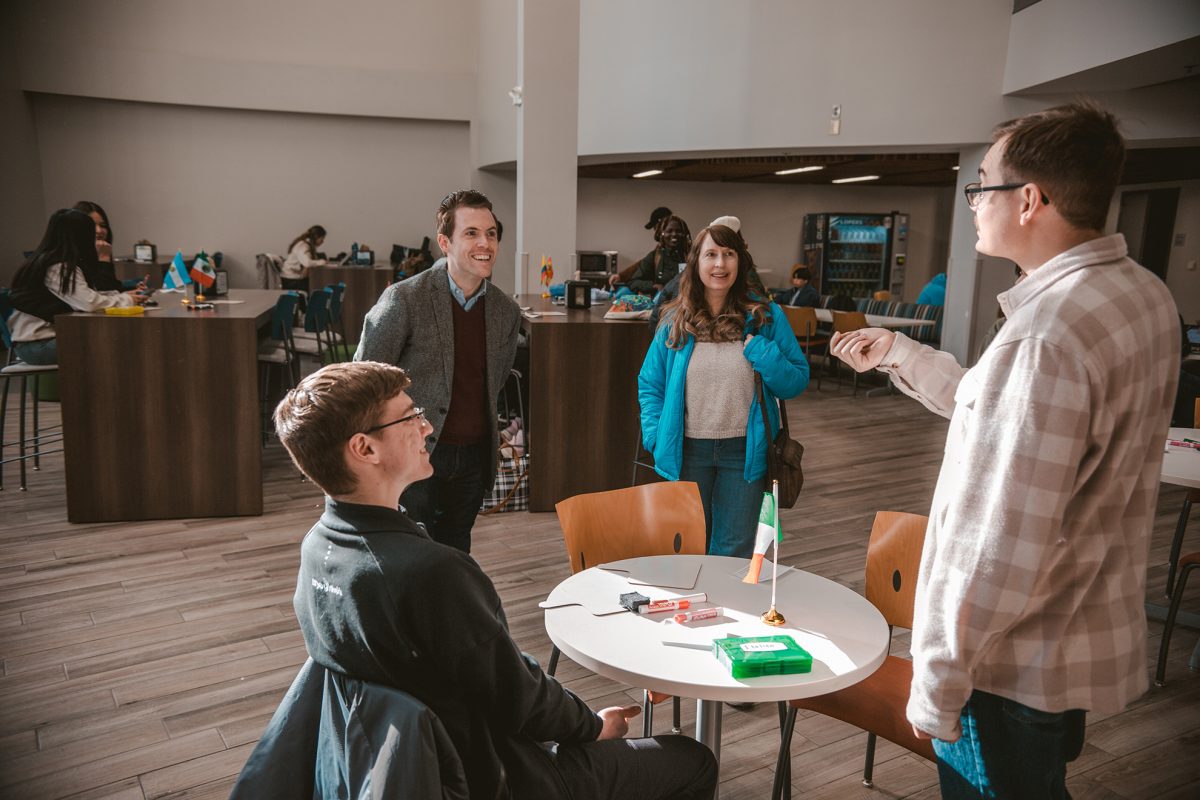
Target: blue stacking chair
(279, 351)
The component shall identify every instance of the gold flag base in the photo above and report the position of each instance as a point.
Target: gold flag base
(773, 617)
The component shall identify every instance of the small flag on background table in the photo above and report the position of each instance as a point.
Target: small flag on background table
(177, 273)
(202, 270)
(767, 533)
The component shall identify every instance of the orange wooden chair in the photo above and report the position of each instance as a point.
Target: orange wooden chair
(877, 704)
(654, 519)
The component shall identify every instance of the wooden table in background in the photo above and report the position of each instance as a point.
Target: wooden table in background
(161, 413)
(583, 408)
(363, 287)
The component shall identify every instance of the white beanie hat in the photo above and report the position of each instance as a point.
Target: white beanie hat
(733, 223)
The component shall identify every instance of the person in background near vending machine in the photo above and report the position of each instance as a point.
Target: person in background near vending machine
(934, 293)
(802, 292)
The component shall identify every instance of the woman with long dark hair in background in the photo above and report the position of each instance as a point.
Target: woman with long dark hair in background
(57, 279)
(302, 254)
(700, 414)
(105, 277)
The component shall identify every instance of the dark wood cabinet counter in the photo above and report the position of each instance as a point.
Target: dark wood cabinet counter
(161, 412)
(363, 287)
(583, 407)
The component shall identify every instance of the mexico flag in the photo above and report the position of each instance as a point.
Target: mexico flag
(202, 270)
(768, 531)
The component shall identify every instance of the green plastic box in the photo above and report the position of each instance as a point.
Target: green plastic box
(756, 656)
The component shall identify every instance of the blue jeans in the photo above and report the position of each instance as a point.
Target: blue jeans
(448, 502)
(42, 352)
(731, 503)
(1009, 750)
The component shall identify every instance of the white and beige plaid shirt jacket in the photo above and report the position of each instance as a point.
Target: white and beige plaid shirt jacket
(1033, 574)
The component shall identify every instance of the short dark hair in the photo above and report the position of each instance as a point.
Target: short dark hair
(1074, 153)
(802, 272)
(463, 198)
(316, 419)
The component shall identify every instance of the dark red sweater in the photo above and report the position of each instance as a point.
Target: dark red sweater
(467, 422)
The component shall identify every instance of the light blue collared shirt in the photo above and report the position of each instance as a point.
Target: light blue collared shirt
(463, 300)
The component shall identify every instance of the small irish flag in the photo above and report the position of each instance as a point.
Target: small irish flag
(768, 531)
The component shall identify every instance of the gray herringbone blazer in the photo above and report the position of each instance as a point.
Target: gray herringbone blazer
(411, 326)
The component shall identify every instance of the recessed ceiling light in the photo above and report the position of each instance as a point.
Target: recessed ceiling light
(798, 169)
(650, 173)
(859, 178)
(955, 168)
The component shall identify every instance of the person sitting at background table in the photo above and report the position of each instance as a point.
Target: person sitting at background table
(661, 264)
(378, 600)
(302, 254)
(700, 415)
(57, 279)
(802, 293)
(105, 277)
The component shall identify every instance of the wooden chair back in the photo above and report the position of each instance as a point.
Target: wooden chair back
(654, 519)
(846, 321)
(803, 321)
(893, 559)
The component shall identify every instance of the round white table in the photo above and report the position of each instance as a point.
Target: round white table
(1181, 465)
(846, 636)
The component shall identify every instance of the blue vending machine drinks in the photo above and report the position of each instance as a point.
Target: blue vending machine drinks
(856, 254)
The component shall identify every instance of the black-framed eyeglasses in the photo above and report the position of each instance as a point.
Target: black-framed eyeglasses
(417, 413)
(974, 192)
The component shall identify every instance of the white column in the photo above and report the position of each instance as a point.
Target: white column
(962, 266)
(547, 136)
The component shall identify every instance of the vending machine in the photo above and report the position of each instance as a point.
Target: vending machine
(856, 254)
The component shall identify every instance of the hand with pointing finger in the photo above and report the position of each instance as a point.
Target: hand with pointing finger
(616, 721)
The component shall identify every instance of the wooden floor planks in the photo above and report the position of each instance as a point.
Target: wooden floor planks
(143, 660)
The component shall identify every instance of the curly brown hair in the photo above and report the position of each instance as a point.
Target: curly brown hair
(689, 314)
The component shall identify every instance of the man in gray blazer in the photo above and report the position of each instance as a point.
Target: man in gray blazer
(457, 340)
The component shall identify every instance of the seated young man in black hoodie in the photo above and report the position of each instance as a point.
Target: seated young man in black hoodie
(380, 601)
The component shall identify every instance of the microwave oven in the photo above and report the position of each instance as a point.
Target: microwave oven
(596, 262)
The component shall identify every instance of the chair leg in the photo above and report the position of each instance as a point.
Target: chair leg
(869, 764)
(676, 728)
(37, 433)
(647, 715)
(1177, 542)
(21, 448)
(783, 764)
(1160, 670)
(3, 420)
(554, 654)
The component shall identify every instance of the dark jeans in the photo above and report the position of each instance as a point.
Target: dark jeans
(447, 503)
(1009, 750)
(659, 768)
(731, 503)
(42, 352)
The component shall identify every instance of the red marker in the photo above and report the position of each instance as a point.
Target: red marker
(703, 613)
(672, 604)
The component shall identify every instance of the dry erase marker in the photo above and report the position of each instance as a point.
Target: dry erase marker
(672, 604)
(699, 614)
(1183, 443)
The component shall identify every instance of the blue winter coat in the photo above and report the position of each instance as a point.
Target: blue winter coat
(773, 353)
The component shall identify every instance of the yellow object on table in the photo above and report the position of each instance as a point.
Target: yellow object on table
(125, 311)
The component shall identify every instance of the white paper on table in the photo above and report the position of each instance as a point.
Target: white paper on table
(224, 302)
(668, 573)
(764, 576)
(597, 591)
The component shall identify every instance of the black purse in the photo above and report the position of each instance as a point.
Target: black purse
(783, 453)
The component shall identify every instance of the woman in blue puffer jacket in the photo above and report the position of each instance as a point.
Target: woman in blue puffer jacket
(699, 410)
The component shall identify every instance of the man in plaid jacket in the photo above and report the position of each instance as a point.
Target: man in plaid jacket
(1029, 607)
